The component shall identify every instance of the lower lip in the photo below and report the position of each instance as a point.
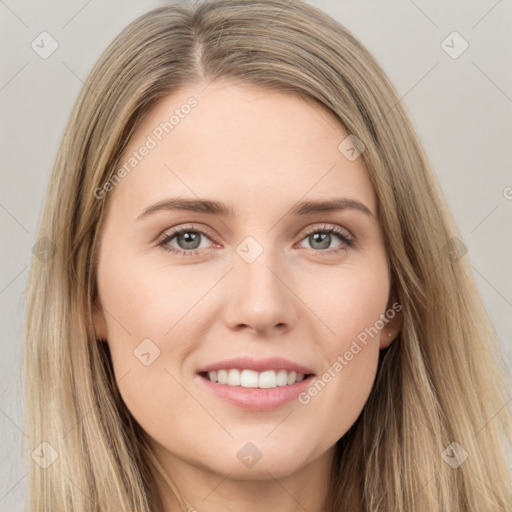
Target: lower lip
(257, 399)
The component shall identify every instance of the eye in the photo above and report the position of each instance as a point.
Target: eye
(320, 238)
(187, 238)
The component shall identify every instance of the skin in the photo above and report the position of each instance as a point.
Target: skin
(260, 152)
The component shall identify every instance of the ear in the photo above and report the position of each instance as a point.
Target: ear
(393, 323)
(99, 322)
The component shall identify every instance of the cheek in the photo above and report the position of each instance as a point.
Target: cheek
(351, 304)
(146, 325)
(147, 299)
(155, 319)
(352, 307)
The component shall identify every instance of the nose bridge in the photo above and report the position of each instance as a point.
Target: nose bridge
(259, 298)
(253, 266)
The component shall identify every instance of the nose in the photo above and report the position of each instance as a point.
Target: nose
(260, 296)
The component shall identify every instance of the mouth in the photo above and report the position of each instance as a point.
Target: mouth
(256, 391)
(268, 379)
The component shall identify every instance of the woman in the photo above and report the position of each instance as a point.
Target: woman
(190, 346)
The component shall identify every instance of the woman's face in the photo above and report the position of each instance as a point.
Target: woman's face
(279, 282)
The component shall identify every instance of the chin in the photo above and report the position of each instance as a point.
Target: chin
(258, 460)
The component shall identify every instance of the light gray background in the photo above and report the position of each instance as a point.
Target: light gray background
(460, 107)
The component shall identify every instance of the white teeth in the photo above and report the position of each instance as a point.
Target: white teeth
(222, 376)
(291, 377)
(252, 379)
(249, 379)
(267, 379)
(282, 378)
(234, 377)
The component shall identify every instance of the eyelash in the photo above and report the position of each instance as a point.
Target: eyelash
(346, 240)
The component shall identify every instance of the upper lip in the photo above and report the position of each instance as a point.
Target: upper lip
(259, 365)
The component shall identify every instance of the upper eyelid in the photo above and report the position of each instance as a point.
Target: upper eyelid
(325, 226)
(171, 232)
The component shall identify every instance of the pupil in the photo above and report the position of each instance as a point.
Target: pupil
(325, 239)
(190, 238)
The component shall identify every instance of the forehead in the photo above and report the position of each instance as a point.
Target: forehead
(246, 145)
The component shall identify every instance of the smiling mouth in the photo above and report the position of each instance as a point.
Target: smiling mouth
(267, 379)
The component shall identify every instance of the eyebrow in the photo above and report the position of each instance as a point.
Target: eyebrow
(223, 210)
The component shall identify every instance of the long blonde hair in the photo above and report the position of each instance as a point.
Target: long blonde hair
(442, 381)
